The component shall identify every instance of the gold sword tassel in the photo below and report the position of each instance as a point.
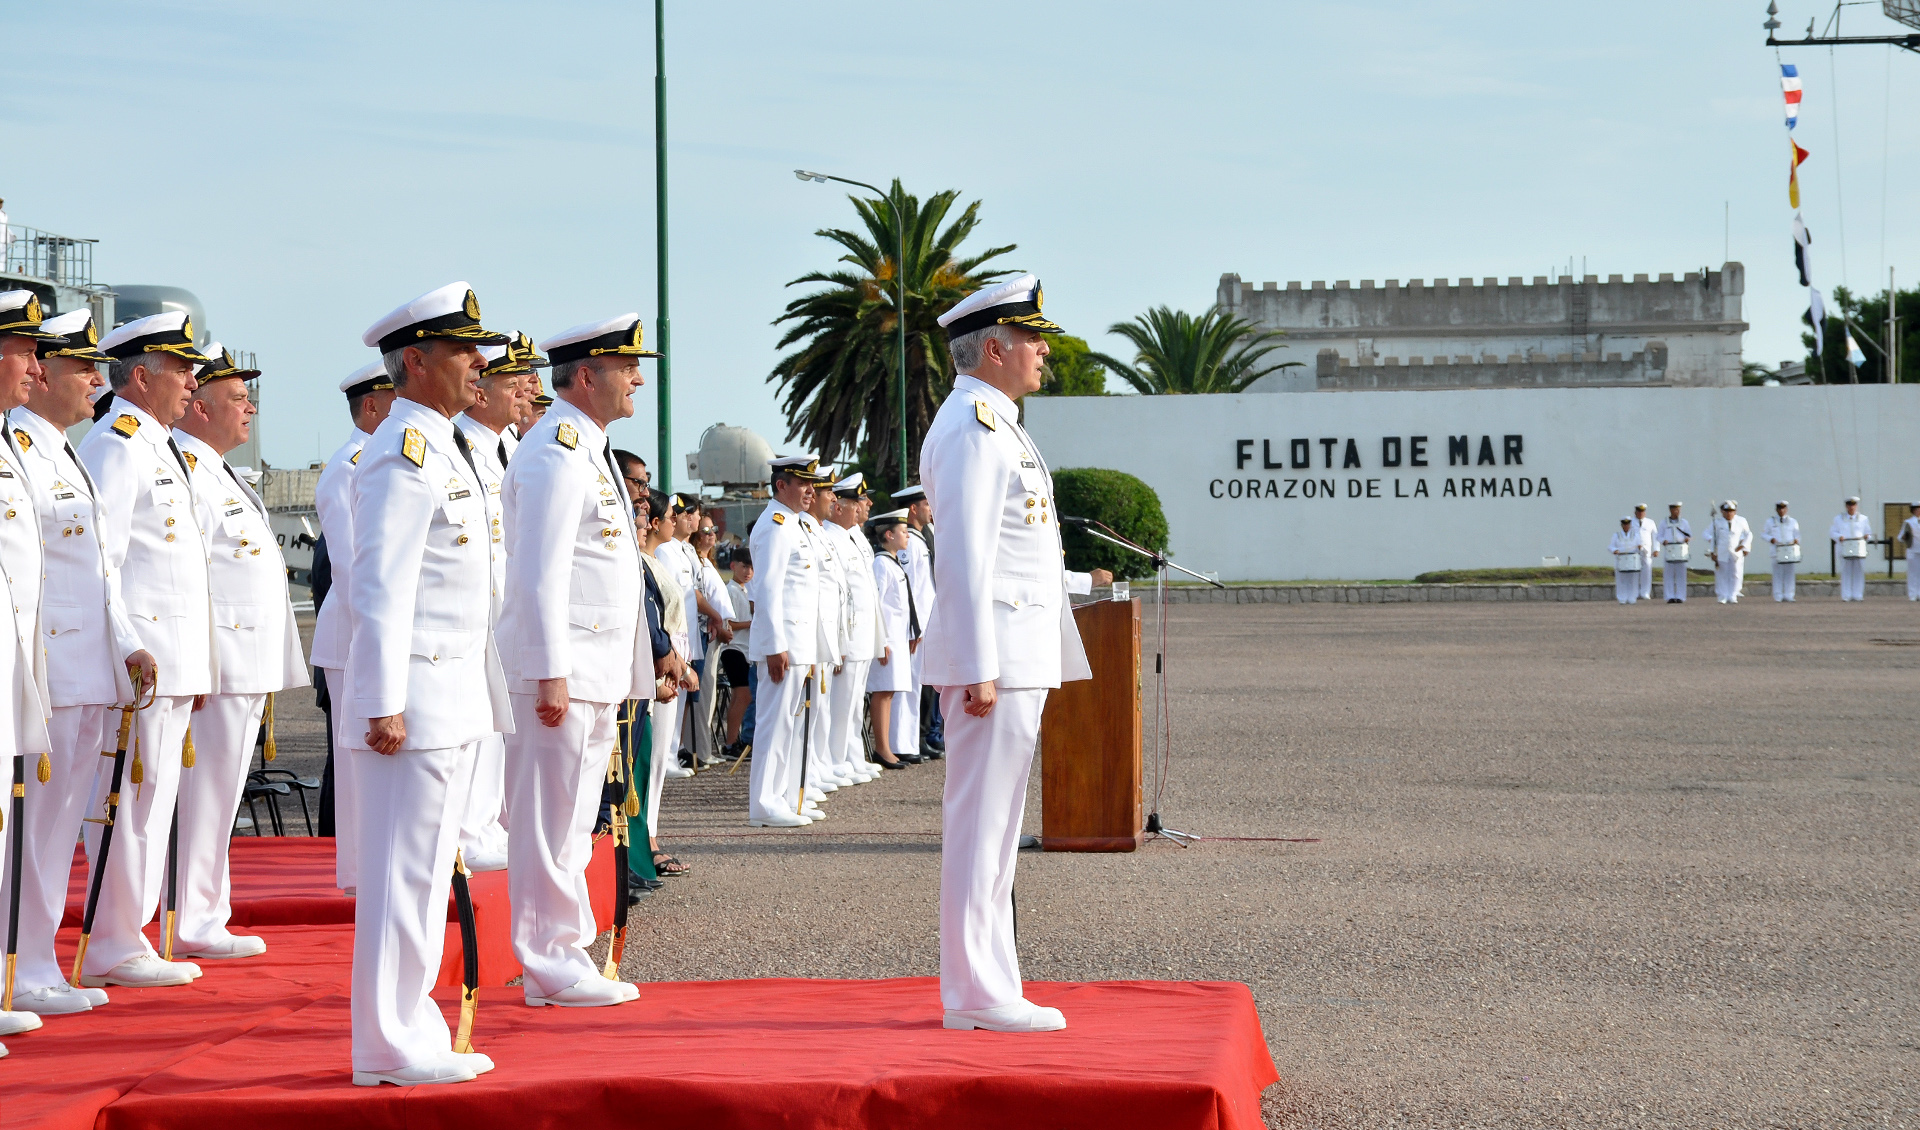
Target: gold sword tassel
(270, 750)
(187, 757)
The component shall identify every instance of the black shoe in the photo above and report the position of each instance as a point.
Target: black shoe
(732, 752)
(932, 753)
(909, 758)
(639, 888)
(891, 764)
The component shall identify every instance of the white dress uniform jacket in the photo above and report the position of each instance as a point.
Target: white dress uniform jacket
(1003, 614)
(487, 445)
(785, 588)
(833, 589)
(865, 636)
(153, 542)
(1729, 536)
(1911, 530)
(573, 567)
(1780, 531)
(257, 643)
(422, 643)
(1849, 526)
(333, 503)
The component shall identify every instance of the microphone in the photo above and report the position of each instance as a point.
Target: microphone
(1076, 523)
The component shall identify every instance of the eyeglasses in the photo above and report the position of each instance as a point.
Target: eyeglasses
(705, 532)
(636, 480)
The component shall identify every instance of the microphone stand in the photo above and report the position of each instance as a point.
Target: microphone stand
(1163, 736)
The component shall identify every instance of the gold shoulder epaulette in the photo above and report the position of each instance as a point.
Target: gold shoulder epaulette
(193, 461)
(23, 439)
(413, 445)
(779, 519)
(985, 415)
(355, 461)
(567, 436)
(126, 426)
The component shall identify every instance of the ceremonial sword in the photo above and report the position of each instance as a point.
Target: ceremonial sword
(617, 816)
(106, 832)
(806, 731)
(18, 816)
(469, 956)
(173, 852)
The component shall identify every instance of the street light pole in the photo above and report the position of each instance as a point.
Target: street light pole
(900, 306)
(663, 454)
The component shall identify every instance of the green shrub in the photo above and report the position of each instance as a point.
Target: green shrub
(1123, 502)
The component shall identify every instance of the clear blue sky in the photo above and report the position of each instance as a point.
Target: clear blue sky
(306, 168)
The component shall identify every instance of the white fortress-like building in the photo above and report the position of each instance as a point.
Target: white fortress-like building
(1568, 333)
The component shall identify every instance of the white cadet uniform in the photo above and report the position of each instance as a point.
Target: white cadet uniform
(919, 563)
(1003, 618)
(1853, 570)
(572, 612)
(154, 542)
(482, 835)
(24, 692)
(1730, 567)
(333, 631)
(899, 625)
(87, 639)
(1674, 573)
(821, 757)
(786, 618)
(864, 641)
(257, 648)
(1627, 543)
(1911, 529)
(665, 716)
(669, 718)
(1649, 540)
(422, 648)
(1777, 530)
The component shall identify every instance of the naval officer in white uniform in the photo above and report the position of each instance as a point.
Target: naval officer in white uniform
(1000, 636)
(424, 679)
(1628, 551)
(865, 636)
(501, 394)
(573, 639)
(1849, 534)
(919, 565)
(784, 641)
(1781, 530)
(1910, 537)
(153, 540)
(833, 639)
(1728, 545)
(90, 644)
(1649, 549)
(369, 393)
(1675, 531)
(257, 651)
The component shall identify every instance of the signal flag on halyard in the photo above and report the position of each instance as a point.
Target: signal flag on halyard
(1816, 316)
(1803, 250)
(1790, 87)
(1793, 173)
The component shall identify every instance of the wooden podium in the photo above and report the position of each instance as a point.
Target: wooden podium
(1090, 740)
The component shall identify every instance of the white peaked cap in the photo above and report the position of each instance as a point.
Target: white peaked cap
(73, 323)
(451, 311)
(365, 373)
(1008, 303)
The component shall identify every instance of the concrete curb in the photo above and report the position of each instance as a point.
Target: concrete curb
(1403, 594)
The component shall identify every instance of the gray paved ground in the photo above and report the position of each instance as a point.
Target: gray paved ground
(1578, 865)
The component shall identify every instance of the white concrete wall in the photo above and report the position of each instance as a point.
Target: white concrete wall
(1598, 451)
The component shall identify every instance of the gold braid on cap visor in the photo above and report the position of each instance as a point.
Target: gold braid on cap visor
(1032, 321)
(465, 333)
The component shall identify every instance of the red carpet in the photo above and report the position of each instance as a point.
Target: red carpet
(264, 1043)
(288, 881)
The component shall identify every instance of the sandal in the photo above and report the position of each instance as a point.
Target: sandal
(667, 865)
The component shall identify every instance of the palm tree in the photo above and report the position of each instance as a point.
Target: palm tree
(839, 384)
(1177, 352)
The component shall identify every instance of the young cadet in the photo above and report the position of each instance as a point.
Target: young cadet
(890, 679)
(423, 678)
(851, 505)
(1674, 531)
(257, 651)
(571, 633)
(785, 641)
(90, 648)
(1780, 531)
(918, 559)
(369, 393)
(153, 540)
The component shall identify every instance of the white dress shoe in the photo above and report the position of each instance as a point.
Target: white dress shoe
(815, 795)
(1020, 1016)
(677, 771)
(233, 945)
(54, 1000)
(443, 1068)
(477, 1062)
(95, 997)
(814, 814)
(486, 861)
(778, 820)
(14, 1023)
(145, 971)
(588, 992)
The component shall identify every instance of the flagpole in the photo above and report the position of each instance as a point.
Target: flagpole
(663, 452)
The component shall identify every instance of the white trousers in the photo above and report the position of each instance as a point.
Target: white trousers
(1783, 578)
(224, 731)
(1646, 577)
(1626, 590)
(843, 738)
(1729, 575)
(776, 742)
(345, 843)
(666, 751)
(55, 812)
(1913, 575)
(1675, 577)
(1853, 578)
(906, 714)
(136, 871)
(700, 719)
(987, 764)
(405, 830)
(818, 747)
(485, 800)
(553, 798)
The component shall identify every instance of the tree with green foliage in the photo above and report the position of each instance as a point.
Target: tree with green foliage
(1869, 318)
(1071, 369)
(1125, 504)
(1179, 353)
(839, 384)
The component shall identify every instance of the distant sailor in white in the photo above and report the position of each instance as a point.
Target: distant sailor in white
(1649, 541)
(258, 651)
(784, 641)
(369, 393)
(1910, 535)
(1849, 533)
(919, 565)
(1782, 535)
(153, 540)
(1676, 537)
(424, 678)
(821, 773)
(1731, 541)
(864, 632)
(1001, 635)
(1629, 561)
